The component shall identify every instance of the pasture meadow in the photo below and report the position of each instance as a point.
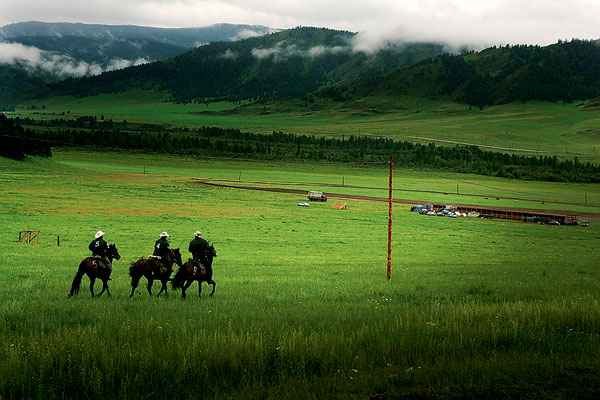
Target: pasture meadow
(565, 130)
(302, 309)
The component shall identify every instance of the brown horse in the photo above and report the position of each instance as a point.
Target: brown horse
(94, 269)
(152, 270)
(191, 271)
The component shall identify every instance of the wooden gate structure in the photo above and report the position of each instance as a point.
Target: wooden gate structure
(29, 236)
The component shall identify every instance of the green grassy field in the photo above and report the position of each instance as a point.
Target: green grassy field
(559, 129)
(475, 308)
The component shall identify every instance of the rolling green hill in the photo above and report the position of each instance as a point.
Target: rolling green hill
(565, 71)
(303, 61)
(34, 53)
(290, 63)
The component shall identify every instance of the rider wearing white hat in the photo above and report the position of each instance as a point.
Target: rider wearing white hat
(99, 247)
(198, 247)
(162, 248)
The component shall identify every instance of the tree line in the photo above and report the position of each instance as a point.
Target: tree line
(16, 142)
(280, 146)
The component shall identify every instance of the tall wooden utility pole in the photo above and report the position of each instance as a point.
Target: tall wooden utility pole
(389, 260)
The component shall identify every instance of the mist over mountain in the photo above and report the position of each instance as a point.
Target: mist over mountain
(295, 63)
(565, 71)
(289, 63)
(36, 52)
(180, 37)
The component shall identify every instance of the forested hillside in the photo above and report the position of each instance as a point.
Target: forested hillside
(565, 71)
(301, 61)
(285, 64)
(35, 53)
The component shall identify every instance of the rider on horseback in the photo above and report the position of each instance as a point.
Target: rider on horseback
(99, 249)
(162, 249)
(198, 247)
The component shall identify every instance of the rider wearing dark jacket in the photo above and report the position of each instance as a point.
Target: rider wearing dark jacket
(162, 248)
(99, 247)
(198, 247)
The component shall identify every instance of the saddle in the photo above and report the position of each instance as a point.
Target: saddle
(198, 267)
(100, 262)
(163, 268)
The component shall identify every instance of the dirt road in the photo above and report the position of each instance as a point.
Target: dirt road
(239, 185)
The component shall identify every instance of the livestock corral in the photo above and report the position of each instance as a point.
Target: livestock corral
(454, 211)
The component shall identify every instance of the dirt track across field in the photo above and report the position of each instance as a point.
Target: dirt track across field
(238, 185)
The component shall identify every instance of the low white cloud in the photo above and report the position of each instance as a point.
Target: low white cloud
(119, 63)
(245, 34)
(228, 55)
(281, 51)
(35, 60)
(264, 53)
(322, 50)
(478, 24)
(473, 23)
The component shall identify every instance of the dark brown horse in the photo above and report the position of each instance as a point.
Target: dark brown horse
(93, 268)
(152, 270)
(191, 271)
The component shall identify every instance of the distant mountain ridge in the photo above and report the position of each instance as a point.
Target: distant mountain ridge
(308, 61)
(181, 37)
(565, 71)
(290, 63)
(32, 53)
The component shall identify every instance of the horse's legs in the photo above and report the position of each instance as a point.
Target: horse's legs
(104, 288)
(163, 288)
(199, 288)
(135, 280)
(92, 281)
(214, 285)
(150, 282)
(185, 287)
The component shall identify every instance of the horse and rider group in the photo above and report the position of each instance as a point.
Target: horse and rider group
(157, 266)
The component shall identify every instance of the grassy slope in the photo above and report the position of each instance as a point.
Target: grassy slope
(562, 129)
(475, 308)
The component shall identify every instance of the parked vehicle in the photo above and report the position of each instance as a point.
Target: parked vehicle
(571, 220)
(542, 220)
(314, 195)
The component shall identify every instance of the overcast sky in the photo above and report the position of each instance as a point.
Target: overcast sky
(470, 22)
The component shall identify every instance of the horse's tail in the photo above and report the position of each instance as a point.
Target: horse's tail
(178, 280)
(77, 280)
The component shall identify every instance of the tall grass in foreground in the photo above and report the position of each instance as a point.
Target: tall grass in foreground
(488, 309)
